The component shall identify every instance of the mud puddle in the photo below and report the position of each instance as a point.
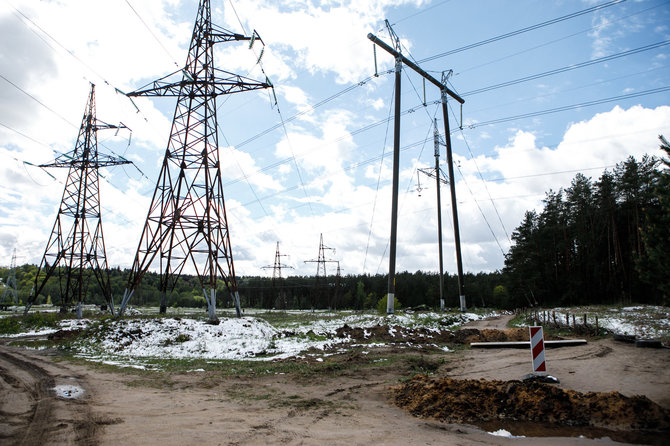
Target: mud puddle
(535, 429)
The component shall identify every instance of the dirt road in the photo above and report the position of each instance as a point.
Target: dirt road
(31, 413)
(347, 403)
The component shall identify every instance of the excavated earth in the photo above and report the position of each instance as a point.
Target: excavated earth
(397, 334)
(469, 400)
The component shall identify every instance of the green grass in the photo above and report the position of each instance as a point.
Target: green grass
(32, 321)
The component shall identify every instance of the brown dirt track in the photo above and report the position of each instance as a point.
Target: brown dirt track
(347, 400)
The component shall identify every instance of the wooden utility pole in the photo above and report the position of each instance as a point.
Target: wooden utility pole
(445, 92)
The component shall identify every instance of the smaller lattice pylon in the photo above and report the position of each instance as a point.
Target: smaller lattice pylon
(338, 285)
(10, 294)
(278, 291)
(320, 282)
(76, 247)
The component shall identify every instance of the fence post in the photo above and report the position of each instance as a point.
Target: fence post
(574, 324)
(596, 325)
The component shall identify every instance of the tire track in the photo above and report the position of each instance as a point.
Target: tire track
(36, 382)
(32, 414)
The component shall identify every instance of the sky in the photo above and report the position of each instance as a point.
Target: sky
(584, 91)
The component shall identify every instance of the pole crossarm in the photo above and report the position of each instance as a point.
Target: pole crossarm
(416, 68)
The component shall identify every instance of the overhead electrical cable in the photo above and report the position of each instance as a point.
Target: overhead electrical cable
(465, 181)
(470, 126)
(152, 33)
(379, 177)
(62, 118)
(523, 30)
(481, 177)
(567, 107)
(568, 68)
(310, 109)
(596, 27)
(526, 99)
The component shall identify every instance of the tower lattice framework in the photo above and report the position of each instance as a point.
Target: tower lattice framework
(76, 247)
(10, 294)
(186, 222)
(277, 281)
(320, 294)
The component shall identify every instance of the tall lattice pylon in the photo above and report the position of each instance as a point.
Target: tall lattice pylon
(186, 222)
(10, 294)
(278, 291)
(76, 247)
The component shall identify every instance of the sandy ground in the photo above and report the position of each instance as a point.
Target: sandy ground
(350, 407)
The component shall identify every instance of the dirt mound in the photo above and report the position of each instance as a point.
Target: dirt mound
(471, 401)
(394, 333)
(469, 335)
(64, 335)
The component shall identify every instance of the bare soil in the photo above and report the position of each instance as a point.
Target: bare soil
(348, 399)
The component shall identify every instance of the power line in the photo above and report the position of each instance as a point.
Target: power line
(602, 25)
(152, 33)
(569, 68)
(379, 177)
(567, 107)
(523, 30)
(495, 208)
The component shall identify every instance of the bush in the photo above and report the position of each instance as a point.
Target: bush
(381, 304)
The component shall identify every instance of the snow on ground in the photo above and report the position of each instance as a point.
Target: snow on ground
(64, 325)
(505, 433)
(127, 341)
(643, 321)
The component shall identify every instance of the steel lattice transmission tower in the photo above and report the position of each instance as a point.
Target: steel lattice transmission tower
(277, 290)
(186, 222)
(321, 277)
(10, 294)
(76, 247)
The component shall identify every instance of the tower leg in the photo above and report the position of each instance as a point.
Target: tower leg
(163, 308)
(236, 299)
(211, 305)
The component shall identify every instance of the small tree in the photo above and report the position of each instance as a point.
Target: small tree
(381, 304)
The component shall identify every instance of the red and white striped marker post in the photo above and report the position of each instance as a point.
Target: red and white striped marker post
(537, 349)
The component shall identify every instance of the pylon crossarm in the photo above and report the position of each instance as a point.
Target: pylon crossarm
(236, 84)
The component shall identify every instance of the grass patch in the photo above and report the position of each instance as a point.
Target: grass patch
(30, 322)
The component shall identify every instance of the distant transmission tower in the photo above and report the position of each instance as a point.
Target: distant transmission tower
(277, 288)
(76, 247)
(338, 285)
(186, 222)
(435, 173)
(10, 295)
(320, 283)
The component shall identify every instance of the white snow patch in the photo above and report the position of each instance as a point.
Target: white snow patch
(68, 391)
(506, 434)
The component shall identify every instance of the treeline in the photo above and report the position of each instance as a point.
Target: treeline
(294, 292)
(606, 241)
